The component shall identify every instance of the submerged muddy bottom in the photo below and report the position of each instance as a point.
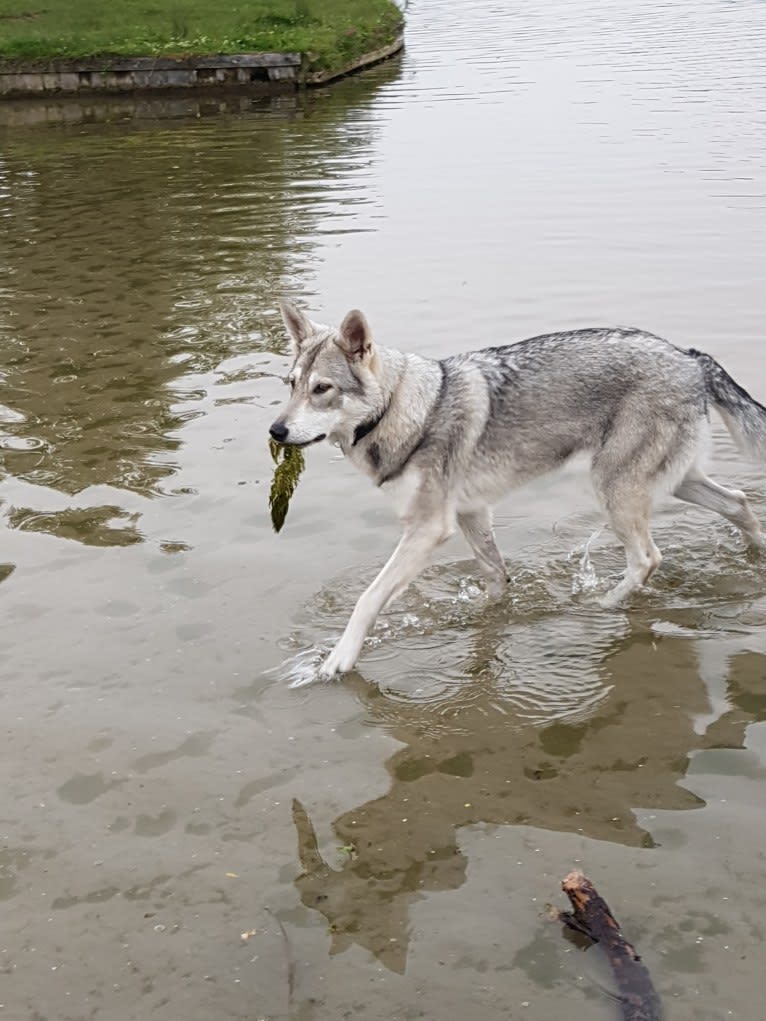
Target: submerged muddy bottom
(387, 844)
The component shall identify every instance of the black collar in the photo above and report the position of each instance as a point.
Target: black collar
(365, 428)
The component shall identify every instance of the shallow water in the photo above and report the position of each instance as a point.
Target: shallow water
(391, 839)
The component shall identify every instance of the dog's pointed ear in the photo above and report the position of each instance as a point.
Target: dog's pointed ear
(298, 326)
(355, 337)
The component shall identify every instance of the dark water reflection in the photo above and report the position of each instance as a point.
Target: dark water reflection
(477, 765)
(144, 253)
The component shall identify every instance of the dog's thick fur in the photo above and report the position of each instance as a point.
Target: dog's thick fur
(448, 438)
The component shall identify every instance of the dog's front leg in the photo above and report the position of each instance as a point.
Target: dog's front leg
(406, 562)
(476, 526)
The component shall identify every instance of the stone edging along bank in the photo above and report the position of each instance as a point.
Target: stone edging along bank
(129, 74)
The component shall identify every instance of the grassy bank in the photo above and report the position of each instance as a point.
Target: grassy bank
(333, 32)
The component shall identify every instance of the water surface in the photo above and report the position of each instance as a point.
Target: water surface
(391, 839)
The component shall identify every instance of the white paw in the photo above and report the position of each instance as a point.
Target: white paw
(336, 663)
(611, 600)
(496, 589)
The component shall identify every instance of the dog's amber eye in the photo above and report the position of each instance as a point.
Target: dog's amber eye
(322, 388)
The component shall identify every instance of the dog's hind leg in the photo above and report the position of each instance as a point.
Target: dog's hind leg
(406, 562)
(640, 454)
(624, 482)
(697, 488)
(630, 520)
(476, 526)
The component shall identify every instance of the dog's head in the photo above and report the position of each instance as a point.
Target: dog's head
(333, 384)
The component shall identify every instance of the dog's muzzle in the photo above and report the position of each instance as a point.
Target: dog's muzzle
(280, 432)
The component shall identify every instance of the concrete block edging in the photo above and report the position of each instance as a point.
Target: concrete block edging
(130, 74)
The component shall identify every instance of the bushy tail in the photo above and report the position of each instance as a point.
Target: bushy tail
(743, 416)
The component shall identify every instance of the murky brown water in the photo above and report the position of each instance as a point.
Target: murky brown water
(520, 169)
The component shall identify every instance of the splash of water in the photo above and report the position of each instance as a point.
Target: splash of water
(585, 578)
(303, 668)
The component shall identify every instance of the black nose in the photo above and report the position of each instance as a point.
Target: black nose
(279, 431)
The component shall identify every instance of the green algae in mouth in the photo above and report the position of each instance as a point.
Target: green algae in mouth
(289, 463)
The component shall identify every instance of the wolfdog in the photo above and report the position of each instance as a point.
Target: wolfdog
(447, 438)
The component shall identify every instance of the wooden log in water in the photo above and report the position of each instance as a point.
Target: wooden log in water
(591, 915)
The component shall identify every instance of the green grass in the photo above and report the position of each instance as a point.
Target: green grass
(333, 32)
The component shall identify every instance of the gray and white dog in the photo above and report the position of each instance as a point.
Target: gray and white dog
(446, 439)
